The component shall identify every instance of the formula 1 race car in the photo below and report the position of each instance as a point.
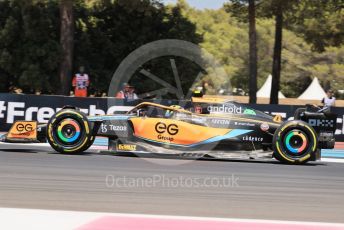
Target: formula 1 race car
(210, 127)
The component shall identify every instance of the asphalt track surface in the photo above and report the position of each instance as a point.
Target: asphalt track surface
(36, 177)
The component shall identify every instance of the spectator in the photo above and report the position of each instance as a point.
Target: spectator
(329, 100)
(131, 94)
(121, 94)
(16, 90)
(207, 87)
(127, 93)
(80, 83)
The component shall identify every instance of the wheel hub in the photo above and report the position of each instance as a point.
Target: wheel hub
(296, 141)
(68, 130)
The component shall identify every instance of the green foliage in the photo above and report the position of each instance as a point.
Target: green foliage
(320, 23)
(29, 47)
(113, 29)
(225, 34)
(108, 30)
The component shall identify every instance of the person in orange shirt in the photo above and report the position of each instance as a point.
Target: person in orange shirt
(81, 82)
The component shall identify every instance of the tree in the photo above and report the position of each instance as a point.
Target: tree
(106, 31)
(29, 46)
(253, 51)
(245, 10)
(320, 22)
(67, 45)
(225, 36)
(276, 63)
(268, 9)
(113, 29)
(276, 9)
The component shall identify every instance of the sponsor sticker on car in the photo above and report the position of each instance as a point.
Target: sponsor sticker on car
(252, 139)
(230, 109)
(220, 121)
(126, 147)
(264, 126)
(162, 129)
(244, 123)
(118, 128)
(23, 129)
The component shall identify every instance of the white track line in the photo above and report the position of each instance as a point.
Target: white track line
(12, 218)
(44, 219)
(335, 160)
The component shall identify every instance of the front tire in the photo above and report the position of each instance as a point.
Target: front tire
(69, 131)
(295, 142)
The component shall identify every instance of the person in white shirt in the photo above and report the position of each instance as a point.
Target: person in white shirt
(329, 100)
(131, 94)
(127, 93)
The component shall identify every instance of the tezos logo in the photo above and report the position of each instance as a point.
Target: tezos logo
(171, 129)
(108, 127)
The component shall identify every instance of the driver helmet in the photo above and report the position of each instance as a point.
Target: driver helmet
(169, 113)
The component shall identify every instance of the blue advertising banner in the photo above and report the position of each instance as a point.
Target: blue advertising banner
(15, 107)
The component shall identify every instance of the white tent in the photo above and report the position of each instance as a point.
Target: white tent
(313, 92)
(265, 90)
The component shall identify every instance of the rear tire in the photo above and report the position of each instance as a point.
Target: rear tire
(295, 142)
(69, 131)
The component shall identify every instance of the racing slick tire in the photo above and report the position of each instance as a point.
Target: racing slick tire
(295, 142)
(69, 131)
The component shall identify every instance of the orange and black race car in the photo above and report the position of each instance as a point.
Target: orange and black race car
(209, 128)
